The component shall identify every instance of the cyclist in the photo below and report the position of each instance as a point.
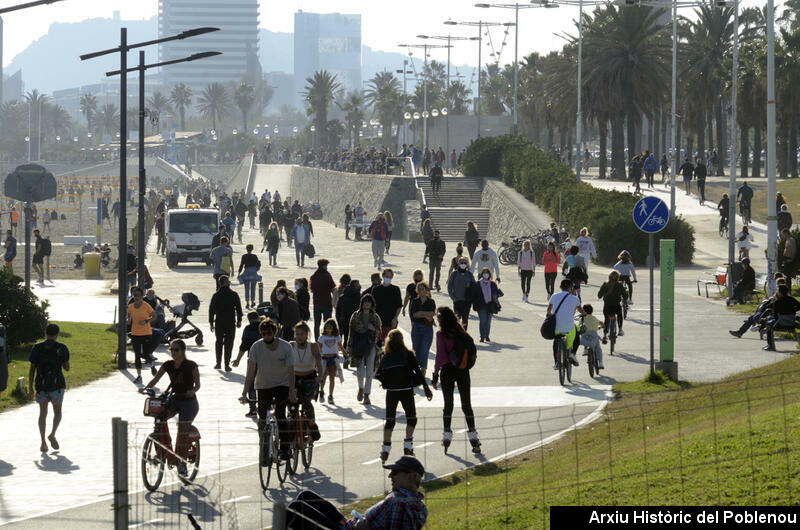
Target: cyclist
(307, 367)
(589, 338)
(723, 207)
(270, 363)
(744, 195)
(575, 269)
(565, 304)
(184, 380)
(626, 271)
(612, 292)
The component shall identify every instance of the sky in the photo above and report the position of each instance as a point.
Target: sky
(384, 24)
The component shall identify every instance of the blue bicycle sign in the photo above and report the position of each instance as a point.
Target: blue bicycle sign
(650, 215)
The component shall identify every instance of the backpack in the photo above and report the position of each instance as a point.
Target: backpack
(548, 329)
(46, 248)
(464, 352)
(49, 377)
(309, 250)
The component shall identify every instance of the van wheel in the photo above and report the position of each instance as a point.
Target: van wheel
(172, 261)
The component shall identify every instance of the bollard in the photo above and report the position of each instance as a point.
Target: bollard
(279, 515)
(119, 435)
(260, 293)
(21, 385)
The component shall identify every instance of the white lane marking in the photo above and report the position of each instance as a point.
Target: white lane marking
(497, 397)
(370, 462)
(420, 446)
(236, 499)
(491, 416)
(462, 431)
(145, 523)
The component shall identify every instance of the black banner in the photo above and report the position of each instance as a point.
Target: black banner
(677, 517)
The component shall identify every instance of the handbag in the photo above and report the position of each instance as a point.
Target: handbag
(548, 329)
(361, 344)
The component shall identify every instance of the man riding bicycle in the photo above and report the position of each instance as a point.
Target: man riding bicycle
(724, 207)
(744, 195)
(565, 305)
(270, 363)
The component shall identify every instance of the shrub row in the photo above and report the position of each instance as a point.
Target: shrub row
(542, 179)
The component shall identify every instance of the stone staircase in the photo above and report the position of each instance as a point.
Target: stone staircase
(458, 201)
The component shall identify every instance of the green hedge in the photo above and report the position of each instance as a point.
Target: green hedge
(541, 179)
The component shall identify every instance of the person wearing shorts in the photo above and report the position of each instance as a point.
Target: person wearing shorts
(140, 316)
(48, 359)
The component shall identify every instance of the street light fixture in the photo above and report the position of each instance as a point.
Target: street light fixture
(26, 5)
(516, 7)
(425, 48)
(480, 24)
(123, 49)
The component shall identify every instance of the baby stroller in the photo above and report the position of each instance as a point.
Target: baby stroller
(265, 309)
(183, 312)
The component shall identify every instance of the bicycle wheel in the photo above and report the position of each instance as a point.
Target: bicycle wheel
(562, 368)
(569, 365)
(264, 459)
(192, 463)
(590, 361)
(612, 335)
(152, 465)
(307, 453)
(505, 257)
(624, 309)
(281, 467)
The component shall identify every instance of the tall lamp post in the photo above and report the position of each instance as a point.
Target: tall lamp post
(404, 71)
(123, 50)
(480, 24)
(772, 221)
(140, 235)
(448, 38)
(425, 48)
(516, 7)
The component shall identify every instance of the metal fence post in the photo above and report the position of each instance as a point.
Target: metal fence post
(279, 516)
(119, 432)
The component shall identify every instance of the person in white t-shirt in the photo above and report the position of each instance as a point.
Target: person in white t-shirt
(564, 305)
(586, 247)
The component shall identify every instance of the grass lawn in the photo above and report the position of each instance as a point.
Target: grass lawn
(790, 188)
(91, 350)
(729, 443)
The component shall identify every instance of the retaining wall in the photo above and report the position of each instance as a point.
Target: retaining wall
(333, 190)
(510, 214)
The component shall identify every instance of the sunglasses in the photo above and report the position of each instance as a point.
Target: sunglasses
(175, 349)
(268, 334)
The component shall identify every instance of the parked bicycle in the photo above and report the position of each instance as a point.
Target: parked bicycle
(157, 450)
(269, 448)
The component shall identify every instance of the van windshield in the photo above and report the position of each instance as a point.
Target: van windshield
(193, 223)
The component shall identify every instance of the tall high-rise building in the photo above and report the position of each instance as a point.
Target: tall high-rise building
(331, 42)
(237, 40)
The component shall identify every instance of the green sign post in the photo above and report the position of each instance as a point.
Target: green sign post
(667, 309)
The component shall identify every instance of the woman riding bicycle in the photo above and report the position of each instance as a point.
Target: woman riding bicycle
(612, 293)
(184, 383)
(626, 271)
(307, 370)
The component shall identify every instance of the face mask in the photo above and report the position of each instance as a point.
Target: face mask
(486, 276)
(279, 297)
(387, 281)
(462, 265)
(297, 287)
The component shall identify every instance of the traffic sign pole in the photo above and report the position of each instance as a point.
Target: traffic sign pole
(652, 260)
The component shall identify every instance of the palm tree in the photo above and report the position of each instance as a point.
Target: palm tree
(383, 94)
(88, 108)
(353, 108)
(108, 119)
(181, 97)
(319, 93)
(158, 104)
(457, 97)
(245, 98)
(214, 103)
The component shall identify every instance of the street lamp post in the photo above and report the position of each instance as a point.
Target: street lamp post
(123, 50)
(734, 140)
(425, 48)
(480, 24)
(404, 71)
(772, 222)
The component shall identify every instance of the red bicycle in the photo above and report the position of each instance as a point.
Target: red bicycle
(157, 450)
(303, 441)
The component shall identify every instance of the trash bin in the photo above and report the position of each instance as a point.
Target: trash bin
(91, 264)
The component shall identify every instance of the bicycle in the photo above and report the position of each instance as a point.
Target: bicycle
(744, 211)
(564, 364)
(591, 360)
(157, 449)
(612, 332)
(723, 227)
(302, 442)
(269, 449)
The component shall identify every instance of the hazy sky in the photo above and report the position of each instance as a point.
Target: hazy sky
(384, 24)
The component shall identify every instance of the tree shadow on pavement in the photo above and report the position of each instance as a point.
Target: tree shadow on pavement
(6, 468)
(630, 358)
(497, 346)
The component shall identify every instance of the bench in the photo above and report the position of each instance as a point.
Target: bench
(718, 279)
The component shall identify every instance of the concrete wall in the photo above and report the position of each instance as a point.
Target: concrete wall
(510, 214)
(333, 190)
(220, 172)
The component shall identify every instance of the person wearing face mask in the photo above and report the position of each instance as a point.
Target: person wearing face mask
(422, 311)
(288, 313)
(388, 303)
(486, 257)
(224, 308)
(411, 289)
(322, 286)
(454, 260)
(184, 378)
(363, 331)
(436, 251)
(459, 286)
(301, 236)
(346, 305)
(378, 231)
(270, 367)
(486, 303)
(303, 297)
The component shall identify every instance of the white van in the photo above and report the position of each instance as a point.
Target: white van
(189, 234)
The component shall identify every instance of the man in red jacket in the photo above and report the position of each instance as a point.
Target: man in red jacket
(322, 286)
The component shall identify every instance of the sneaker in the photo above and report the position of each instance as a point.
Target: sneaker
(153, 370)
(138, 380)
(227, 368)
(621, 333)
(182, 469)
(573, 359)
(524, 298)
(330, 399)
(251, 414)
(604, 340)
(217, 366)
(360, 394)
(408, 447)
(768, 348)
(555, 366)
(600, 365)
(321, 395)
(447, 438)
(474, 441)
(630, 302)
(735, 334)
(366, 400)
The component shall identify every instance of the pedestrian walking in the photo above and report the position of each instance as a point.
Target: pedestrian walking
(700, 172)
(303, 297)
(650, 167)
(346, 304)
(454, 259)
(550, 259)
(422, 312)
(222, 259)
(322, 287)
(272, 243)
(436, 250)
(358, 213)
(364, 333)
(388, 302)
(526, 267)
(459, 288)
(635, 171)
(486, 257)
(452, 338)
(250, 335)
(586, 247)
(330, 343)
(472, 238)
(784, 218)
(224, 316)
(250, 264)
(427, 235)
(161, 236)
(348, 218)
(301, 235)
(48, 359)
(486, 302)
(411, 289)
(387, 216)
(289, 312)
(687, 170)
(140, 316)
(399, 374)
(10, 245)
